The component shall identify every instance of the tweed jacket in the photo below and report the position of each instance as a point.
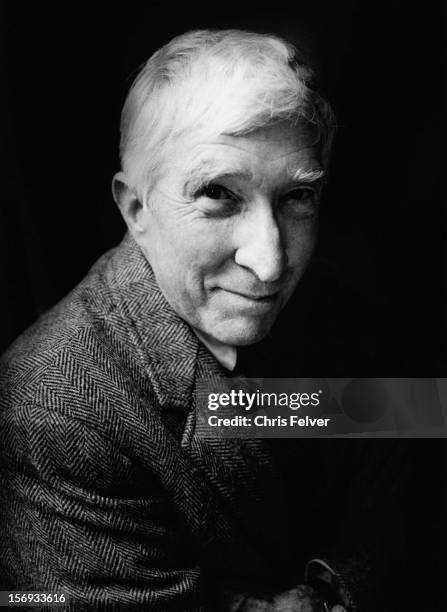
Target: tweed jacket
(109, 493)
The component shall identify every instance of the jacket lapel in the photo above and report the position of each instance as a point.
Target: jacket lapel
(243, 474)
(166, 346)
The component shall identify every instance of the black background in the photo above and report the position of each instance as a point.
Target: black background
(64, 74)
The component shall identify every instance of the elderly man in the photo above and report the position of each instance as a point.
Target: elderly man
(110, 496)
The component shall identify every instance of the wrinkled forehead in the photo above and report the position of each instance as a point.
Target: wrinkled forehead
(287, 149)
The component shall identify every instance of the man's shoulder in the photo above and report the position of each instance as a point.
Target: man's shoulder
(113, 342)
(81, 342)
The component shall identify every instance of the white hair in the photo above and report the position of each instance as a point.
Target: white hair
(209, 83)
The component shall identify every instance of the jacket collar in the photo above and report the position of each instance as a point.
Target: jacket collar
(167, 347)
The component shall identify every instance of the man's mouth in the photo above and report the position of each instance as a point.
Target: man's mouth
(259, 297)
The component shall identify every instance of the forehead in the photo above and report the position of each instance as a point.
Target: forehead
(280, 150)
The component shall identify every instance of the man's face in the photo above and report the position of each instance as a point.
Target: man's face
(231, 227)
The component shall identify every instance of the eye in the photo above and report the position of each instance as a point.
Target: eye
(216, 200)
(214, 191)
(301, 202)
(302, 194)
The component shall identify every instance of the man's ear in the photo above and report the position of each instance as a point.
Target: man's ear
(131, 208)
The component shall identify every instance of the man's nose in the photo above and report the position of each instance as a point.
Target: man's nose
(260, 245)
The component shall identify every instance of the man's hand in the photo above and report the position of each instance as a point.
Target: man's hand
(302, 598)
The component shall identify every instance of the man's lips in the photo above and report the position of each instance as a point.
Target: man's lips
(257, 297)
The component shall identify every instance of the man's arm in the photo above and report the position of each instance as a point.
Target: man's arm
(80, 519)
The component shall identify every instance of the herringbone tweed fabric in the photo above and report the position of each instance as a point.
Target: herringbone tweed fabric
(108, 493)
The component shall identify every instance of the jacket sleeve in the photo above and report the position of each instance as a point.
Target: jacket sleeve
(80, 518)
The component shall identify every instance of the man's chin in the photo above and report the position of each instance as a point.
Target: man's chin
(241, 332)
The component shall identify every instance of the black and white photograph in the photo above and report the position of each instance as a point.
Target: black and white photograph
(223, 357)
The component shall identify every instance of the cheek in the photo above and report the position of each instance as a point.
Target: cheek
(190, 251)
(300, 244)
(203, 245)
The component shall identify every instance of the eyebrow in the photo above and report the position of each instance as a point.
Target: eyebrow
(210, 170)
(303, 175)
